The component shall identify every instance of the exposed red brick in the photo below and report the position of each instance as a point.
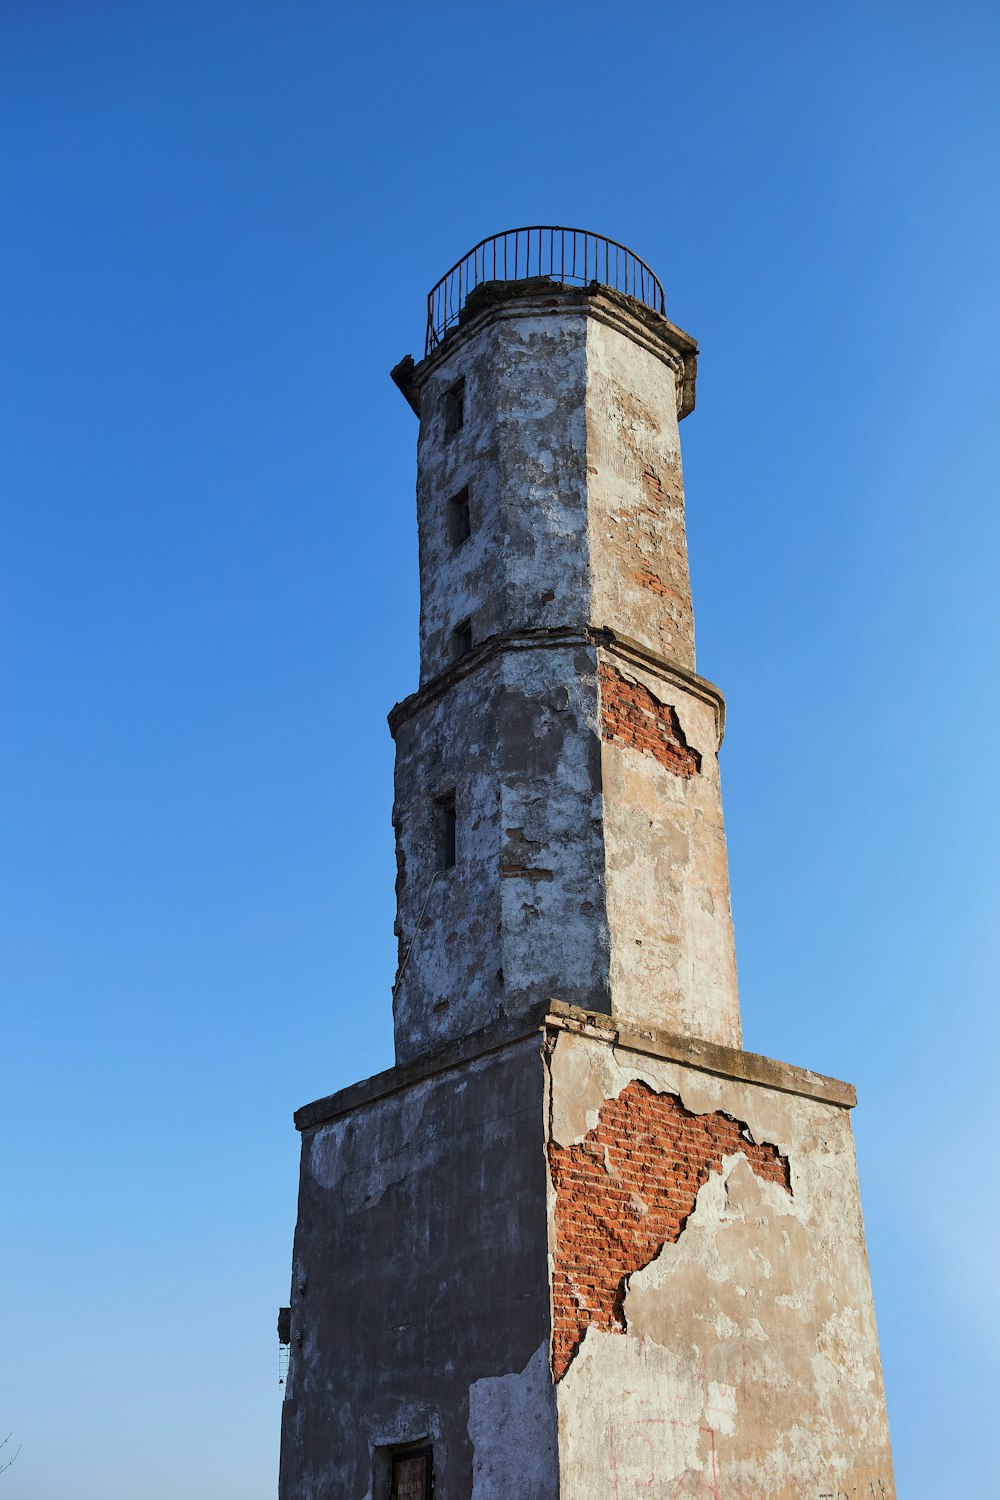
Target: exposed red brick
(653, 485)
(630, 715)
(647, 580)
(514, 859)
(625, 1191)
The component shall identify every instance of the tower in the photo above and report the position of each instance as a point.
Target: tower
(576, 1242)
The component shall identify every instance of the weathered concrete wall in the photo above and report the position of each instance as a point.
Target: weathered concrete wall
(591, 857)
(640, 583)
(570, 451)
(592, 861)
(673, 954)
(714, 1329)
(448, 922)
(521, 916)
(522, 453)
(553, 903)
(420, 1302)
(582, 1262)
(581, 1252)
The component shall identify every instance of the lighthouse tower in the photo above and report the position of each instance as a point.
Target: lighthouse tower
(576, 1243)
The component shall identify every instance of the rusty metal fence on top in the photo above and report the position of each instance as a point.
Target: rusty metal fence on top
(575, 256)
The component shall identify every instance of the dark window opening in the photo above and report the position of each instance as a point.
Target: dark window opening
(461, 639)
(447, 832)
(459, 518)
(454, 409)
(411, 1475)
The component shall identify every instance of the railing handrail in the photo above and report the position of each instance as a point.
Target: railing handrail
(446, 299)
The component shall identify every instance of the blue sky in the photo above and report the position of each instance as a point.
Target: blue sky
(220, 222)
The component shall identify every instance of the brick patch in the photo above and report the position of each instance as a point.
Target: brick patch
(655, 584)
(630, 715)
(625, 1191)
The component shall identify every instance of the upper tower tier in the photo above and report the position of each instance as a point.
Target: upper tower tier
(549, 488)
(558, 815)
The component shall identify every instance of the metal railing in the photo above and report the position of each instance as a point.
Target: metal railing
(573, 256)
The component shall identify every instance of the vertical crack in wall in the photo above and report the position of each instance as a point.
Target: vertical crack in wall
(626, 1190)
(630, 715)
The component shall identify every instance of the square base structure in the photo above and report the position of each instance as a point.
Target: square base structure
(581, 1262)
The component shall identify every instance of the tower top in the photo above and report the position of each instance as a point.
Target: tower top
(548, 252)
(546, 267)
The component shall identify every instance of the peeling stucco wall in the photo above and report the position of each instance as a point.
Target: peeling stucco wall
(448, 921)
(698, 1222)
(631, 715)
(591, 856)
(625, 1191)
(750, 1363)
(554, 930)
(582, 874)
(513, 1433)
(521, 916)
(594, 1251)
(522, 453)
(639, 564)
(673, 953)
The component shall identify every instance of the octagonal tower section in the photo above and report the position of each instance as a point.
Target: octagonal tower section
(558, 813)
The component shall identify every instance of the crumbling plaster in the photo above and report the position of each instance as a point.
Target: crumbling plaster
(513, 1434)
(570, 450)
(521, 451)
(744, 1362)
(586, 870)
(750, 1364)
(448, 922)
(521, 916)
(673, 952)
(626, 1190)
(459, 1273)
(640, 584)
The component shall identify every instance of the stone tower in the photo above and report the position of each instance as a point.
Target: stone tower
(576, 1242)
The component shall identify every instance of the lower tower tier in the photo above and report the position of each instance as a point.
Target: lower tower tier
(561, 1261)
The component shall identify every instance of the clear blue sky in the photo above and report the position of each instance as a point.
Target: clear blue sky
(220, 220)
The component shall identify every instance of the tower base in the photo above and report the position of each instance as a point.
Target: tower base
(574, 1261)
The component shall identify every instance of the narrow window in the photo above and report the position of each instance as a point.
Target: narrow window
(461, 639)
(454, 409)
(411, 1475)
(459, 519)
(447, 830)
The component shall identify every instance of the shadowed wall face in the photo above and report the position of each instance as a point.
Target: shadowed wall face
(420, 1306)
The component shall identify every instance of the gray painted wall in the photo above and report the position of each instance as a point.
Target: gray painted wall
(420, 1290)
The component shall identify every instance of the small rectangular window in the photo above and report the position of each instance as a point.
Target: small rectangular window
(411, 1475)
(461, 639)
(447, 832)
(459, 518)
(454, 409)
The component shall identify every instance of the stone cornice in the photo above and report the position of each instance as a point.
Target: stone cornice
(707, 1057)
(501, 300)
(557, 1016)
(562, 637)
(454, 1055)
